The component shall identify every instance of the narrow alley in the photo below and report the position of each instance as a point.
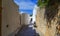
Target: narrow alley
(28, 30)
(29, 17)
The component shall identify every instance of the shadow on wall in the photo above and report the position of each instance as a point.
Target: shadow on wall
(51, 10)
(15, 32)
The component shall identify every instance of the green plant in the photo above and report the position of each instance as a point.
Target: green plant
(42, 3)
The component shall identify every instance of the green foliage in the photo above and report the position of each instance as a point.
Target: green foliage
(42, 3)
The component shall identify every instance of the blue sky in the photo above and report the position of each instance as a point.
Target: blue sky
(26, 6)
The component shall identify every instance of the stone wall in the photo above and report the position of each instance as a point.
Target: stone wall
(10, 18)
(42, 27)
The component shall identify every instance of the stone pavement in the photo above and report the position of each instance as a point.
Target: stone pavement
(27, 31)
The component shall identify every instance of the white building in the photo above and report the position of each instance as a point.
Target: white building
(25, 18)
(34, 13)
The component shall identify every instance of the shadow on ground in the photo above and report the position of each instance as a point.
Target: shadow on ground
(27, 31)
